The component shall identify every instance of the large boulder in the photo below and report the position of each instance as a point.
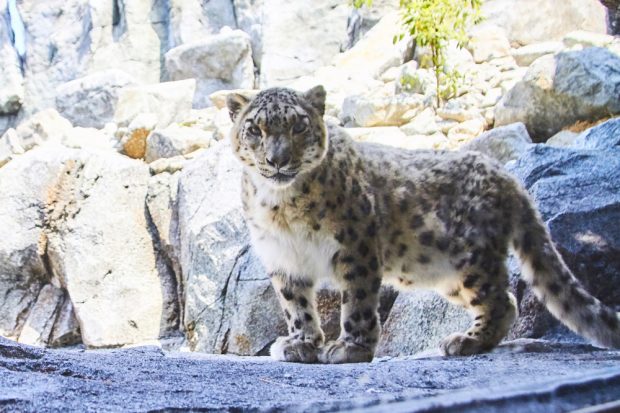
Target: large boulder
(504, 143)
(299, 37)
(381, 108)
(230, 305)
(176, 140)
(100, 246)
(90, 101)
(192, 20)
(578, 193)
(11, 80)
(419, 321)
(95, 36)
(560, 90)
(533, 21)
(221, 61)
(603, 136)
(168, 102)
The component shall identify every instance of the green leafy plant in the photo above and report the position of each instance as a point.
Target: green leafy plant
(434, 23)
(359, 3)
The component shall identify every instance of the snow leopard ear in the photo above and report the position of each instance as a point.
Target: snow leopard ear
(316, 97)
(235, 103)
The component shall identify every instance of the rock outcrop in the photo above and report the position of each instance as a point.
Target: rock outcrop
(559, 90)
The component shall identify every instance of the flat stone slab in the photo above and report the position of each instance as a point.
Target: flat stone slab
(523, 375)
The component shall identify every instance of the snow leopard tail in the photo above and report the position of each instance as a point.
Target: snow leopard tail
(556, 286)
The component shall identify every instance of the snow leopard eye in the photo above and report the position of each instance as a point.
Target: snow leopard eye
(300, 126)
(254, 131)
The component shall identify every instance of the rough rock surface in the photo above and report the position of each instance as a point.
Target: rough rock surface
(175, 140)
(504, 143)
(550, 21)
(319, 25)
(560, 90)
(578, 194)
(221, 61)
(527, 376)
(193, 20)
(11, 80)
(230, 305)
(418, 321)
(90, 101)
(603, 136)
(168, 101)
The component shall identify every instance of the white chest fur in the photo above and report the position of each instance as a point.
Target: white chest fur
(288, 244)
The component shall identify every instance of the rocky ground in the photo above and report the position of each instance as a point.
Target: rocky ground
(528, 376)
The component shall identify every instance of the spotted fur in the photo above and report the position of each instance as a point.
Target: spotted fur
(320, 206)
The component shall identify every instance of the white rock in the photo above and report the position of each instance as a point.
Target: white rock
(525, 56)
(491, 97)
(93, 38)
(37, 329)
(175, 140)
(66, 329)
(375, 53)
(381, 108)
(339, 84)
(390, 75)
(535, 21)
(169, 165)
(466, 131)
(90, 101)
(393, 136)
(106, 258)
(445, 125)
(488, 42)
(423, 124)
(220, 273)
(11, 80)
(299, 37)
(415, 80)
(220, 61)
(504, 143)
(168, 101)
(458, 110)
(87, 138)
(585, 38)
(192, 20)
(25, 186)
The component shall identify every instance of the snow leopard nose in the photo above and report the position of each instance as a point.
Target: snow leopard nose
(278, 153)
(277, 160)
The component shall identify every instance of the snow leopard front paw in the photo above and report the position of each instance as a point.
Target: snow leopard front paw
(294, 350)
(340, 351)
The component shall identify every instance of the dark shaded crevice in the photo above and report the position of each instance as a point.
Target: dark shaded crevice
(160, 21)
(170, 324)
(119, 24)
(17, 33)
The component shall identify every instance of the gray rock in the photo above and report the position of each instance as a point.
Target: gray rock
(38, 326)
(560, 90)
(603, 136)
(229, 303)
(220, 61)
(25, 185)
(418, 321)
(90, 101)
(525, 56)
(299, 37)
(522, 18)
(167, 101)
(381, 108)
(107, 261)
(176, 140)
(11, 80)
(563, 138)
(94, 37)
(578, 194)
(192, 20)
(532, 376)
(503, 143)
